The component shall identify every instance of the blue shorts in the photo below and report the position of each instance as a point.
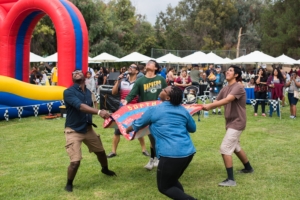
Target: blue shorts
(292, 99)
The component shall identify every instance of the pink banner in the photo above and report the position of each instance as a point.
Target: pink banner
(124, 117)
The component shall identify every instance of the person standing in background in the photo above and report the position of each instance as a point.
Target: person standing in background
(54, 75)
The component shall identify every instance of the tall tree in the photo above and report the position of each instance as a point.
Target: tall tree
(280, 26)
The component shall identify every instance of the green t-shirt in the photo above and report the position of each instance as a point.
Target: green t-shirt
(148, 89)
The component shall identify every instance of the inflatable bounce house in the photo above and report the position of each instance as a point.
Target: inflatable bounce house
(18, 18)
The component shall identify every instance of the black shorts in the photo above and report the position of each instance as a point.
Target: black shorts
(117, 131)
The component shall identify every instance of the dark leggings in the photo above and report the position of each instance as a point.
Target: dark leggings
(152, 140)
(260, 95)
(169, 170)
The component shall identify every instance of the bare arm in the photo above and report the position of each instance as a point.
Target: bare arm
(87, 109)
(115, 89)
(216, 103)
(104, 79)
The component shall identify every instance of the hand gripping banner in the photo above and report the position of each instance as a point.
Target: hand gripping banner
(124, 117)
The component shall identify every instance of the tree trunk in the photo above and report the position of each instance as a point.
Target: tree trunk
(238, 44)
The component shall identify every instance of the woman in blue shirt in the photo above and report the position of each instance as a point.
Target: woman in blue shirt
(174, 146)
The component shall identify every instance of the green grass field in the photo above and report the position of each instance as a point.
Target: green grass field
(33, 162)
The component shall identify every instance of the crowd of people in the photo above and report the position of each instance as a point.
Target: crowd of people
(276, 84)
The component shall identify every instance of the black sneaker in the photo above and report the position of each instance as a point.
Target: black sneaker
(214, 113)
(219, 113)
(111, 154)
(145, 153)
(246, 171)
(69, 188)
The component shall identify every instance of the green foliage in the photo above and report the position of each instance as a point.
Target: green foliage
(43, 41)
(280, 28)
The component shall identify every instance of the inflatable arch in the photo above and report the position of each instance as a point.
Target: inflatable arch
(17, 21)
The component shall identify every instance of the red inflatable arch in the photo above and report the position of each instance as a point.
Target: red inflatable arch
(17, 22)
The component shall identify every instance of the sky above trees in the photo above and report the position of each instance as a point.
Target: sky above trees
(151, 8)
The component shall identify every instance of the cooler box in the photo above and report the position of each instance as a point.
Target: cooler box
(107, 100)
(63, 111)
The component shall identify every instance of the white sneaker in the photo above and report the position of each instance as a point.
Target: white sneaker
(156, 161)
(150, 164)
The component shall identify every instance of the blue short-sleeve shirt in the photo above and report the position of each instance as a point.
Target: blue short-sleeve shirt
(74, 96)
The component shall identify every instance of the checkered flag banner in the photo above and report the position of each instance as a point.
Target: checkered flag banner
(202, 98)
(49, 106)
(97, 97)
(253, 102)
(213, 98)
(20, 111)
(36, 110)
(62, 102)
(6, 115)
(273, 103)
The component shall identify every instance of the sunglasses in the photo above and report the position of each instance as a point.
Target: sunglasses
(77, 72)
(132, 66)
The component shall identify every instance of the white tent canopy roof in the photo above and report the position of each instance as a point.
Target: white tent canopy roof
(169, 58)
(53, 58)
(35, 58)
(105, 57)
(255, 57)
(215, 58)
(195, 57)
(224, 61)
(283, 59)
(200, 57)
(134, 57)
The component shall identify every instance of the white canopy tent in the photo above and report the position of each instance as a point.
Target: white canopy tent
(35, 58)
(283, 59)
(51, 58)
(105, 57)
(54, 58)
(254, 58)
(224, 61)
(215, 58)
(196, 57)
(134, 57)
(170, 58)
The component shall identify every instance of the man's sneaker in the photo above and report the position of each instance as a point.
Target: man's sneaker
(69, 188)
(227, 183)
(247, 171)
(145, 153)
(111, 154)
(214, 113)
(156, 162)
(219, 113)
(150, 164)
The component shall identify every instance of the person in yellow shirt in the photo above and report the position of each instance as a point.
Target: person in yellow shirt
(54, 77)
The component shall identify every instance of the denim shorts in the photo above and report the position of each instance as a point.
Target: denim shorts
(292, 99)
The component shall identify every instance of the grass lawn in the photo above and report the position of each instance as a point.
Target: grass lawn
(33, 162)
